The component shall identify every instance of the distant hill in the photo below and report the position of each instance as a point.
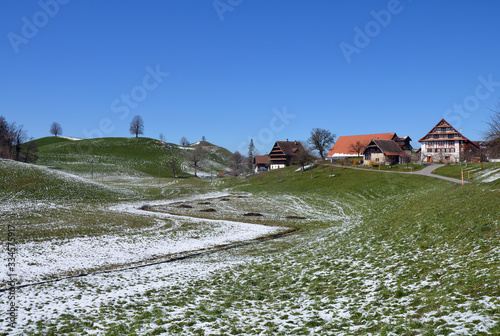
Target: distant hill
(49, 141)
(104, 157)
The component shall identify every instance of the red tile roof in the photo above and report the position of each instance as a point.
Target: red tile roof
(343, 144)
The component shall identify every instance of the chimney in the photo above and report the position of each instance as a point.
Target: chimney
(286, 140)
(460, 130)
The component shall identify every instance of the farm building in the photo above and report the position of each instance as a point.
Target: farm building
(261, 162)
(283, 152)
(354, 145)
(384, 152)
(444, 143)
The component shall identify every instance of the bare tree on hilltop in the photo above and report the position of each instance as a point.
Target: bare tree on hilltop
(184, 142)
(321, 140)
(56, 129)
(137, 126)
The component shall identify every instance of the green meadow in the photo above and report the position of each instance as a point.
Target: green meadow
(373, 254)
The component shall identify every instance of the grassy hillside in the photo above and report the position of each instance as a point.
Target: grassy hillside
(49, 141)
(21, 181)
(381, 254)
(487, 172)
(105, 157)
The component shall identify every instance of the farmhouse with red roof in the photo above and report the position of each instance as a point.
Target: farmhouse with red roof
(354, 145)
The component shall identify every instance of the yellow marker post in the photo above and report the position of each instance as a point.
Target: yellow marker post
(462, 177)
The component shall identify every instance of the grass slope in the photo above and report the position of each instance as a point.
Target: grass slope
(117, 156)
(488, 172)
(385, 254)
(21, 181)
(49, 141)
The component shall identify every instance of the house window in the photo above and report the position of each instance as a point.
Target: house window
(376, 159)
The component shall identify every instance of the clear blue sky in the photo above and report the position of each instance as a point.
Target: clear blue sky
(234, 68)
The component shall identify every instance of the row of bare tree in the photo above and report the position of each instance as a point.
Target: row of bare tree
(13, 142)
(492, 134)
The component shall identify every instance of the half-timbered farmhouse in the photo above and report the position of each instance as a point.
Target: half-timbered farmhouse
(283, 152)
(384, 152)
(444, 143)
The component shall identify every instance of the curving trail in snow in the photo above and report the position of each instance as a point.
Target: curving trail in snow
(57, 258)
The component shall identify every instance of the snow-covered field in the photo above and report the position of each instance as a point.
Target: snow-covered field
(338, 277)
(58, 257)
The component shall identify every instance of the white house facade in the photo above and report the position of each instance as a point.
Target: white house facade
(444, 144)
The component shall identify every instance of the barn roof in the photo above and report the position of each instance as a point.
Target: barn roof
(290, 148)
(343, 143)
(388, 147)
(261, 159)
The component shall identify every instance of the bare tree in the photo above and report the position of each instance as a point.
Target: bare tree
(4, 145)
(357, 147)
(203, 138)
(303, 158)
(9, 137)
(237, 163)
(184, 142)
(56, 129)
(196, 157)
(321, 140)
(137, 126)
(492, 134)
(19, 136)
(162, 137)
(176, 158)
(31, 154)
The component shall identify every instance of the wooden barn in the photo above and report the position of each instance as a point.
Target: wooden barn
(384, 152)
(261, 162)
(283, 152)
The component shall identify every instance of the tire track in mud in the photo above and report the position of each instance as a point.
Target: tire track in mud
(179, 258)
